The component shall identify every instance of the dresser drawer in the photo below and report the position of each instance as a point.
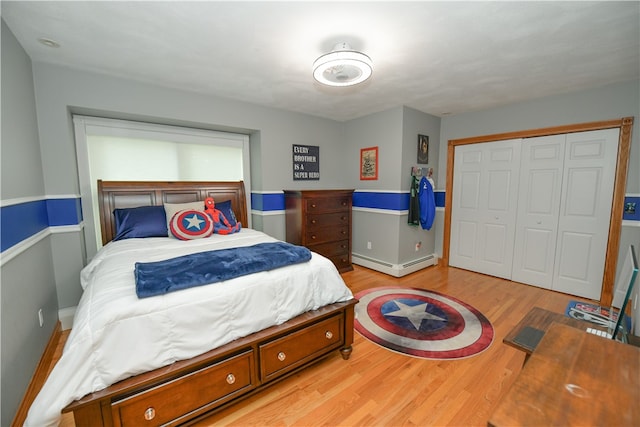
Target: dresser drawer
(327, 234)
(331, 249)
(342, 262)
(215, 383)
(328, 204)
(282, 355)
(316, 221)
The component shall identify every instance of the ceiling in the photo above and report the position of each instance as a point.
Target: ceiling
(437, 57)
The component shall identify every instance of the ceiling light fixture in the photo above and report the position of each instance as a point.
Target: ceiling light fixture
(342, 66)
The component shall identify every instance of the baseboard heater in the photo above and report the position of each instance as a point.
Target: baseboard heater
(396, 270)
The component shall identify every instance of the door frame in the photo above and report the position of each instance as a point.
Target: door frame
(622, 163)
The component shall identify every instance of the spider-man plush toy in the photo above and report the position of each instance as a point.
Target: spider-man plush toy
(220, 223)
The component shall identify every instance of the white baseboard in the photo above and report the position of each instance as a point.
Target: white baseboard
(65, 315)
(396, 270)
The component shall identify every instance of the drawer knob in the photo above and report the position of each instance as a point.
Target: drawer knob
(313, 237)
(313, 205)
(231, 379)
(282, 356)
(343, 232)
(328, 335)
(149, 414)
(313, 221)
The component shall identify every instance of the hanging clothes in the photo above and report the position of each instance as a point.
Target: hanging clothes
(414, 206)
(427, 202)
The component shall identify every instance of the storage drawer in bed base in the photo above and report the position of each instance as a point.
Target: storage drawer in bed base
(192, 389)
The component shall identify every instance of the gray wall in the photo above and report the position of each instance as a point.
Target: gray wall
(27, 281)
(395, 133)
(605, 103)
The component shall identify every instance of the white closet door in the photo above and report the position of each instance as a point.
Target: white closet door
(541, 169)
(585, 211)
(484, 207)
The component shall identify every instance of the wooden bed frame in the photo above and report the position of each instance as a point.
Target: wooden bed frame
(190, 390)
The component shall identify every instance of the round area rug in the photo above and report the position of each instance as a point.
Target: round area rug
(422, 323)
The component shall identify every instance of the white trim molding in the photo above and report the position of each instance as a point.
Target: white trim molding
(380, 211)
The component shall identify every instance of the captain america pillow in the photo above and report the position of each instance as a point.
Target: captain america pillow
(191, 224)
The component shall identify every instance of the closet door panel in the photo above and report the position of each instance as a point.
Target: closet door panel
(466, 214)
(541, 169)
(485, 194)
(585, 212)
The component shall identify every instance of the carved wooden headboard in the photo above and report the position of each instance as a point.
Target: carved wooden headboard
(130, 194)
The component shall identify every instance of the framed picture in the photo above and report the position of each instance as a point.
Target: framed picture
(423, 149)
(369, 163)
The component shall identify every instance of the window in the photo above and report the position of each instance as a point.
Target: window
(120, 150)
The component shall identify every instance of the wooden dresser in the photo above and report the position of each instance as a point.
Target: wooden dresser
(321, 221)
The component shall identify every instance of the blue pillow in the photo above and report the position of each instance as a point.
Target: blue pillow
(225, 208)
(144, 221)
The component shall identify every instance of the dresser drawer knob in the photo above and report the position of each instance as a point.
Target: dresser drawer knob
(313, 205)
(149, 414)
(313, 237)
(282, 356)
(328, 335)
(343, 232)
(313, 221)
(231, 379)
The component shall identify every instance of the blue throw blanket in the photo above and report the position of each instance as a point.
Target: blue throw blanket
(160, 277)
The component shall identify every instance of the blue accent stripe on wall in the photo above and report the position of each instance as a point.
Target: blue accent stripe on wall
(267, 202)
(64, 211)
(21, 221)
(631, 210)
(380, 200)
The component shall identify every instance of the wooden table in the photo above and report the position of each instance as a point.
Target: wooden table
(542, 319)
(574, 378)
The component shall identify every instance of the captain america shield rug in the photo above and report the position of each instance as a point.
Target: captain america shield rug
(422, 323)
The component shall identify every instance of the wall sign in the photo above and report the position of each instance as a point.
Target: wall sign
(306, 162)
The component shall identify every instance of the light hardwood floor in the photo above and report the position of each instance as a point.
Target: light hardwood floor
(377, 387)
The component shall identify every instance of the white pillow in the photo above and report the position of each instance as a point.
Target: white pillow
(170, 209)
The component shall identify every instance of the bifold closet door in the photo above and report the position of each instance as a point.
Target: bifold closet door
(585, 212)
(485, 191)
(541, 170)
(536, 210)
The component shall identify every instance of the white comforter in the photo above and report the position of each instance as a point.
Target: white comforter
(115, 335)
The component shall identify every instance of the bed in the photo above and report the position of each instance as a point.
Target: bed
(178, 357)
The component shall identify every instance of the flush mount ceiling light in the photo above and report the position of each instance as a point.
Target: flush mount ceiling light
(342, 66)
